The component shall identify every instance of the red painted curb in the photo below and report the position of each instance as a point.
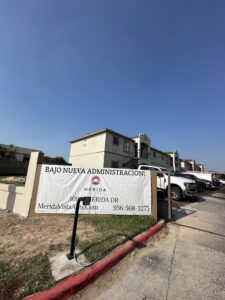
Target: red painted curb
(74, 284)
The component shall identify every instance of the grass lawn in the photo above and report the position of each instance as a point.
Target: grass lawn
(25, 278)
(110, 232)
(27, 244)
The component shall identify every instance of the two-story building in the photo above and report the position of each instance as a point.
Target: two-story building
(195, 166)
(109, 149)
(161, 159)
(175, 160)
(201, 167)
(185, 165)
(103, 149)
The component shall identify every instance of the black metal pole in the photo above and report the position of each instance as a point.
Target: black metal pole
(73, 238)
(169, 198)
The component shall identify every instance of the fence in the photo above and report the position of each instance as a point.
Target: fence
(13, 167)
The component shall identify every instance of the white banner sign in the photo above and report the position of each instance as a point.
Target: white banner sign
(112, 191)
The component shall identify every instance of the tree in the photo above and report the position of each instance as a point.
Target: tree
(7, 153)
(58, 160)
(3, 152)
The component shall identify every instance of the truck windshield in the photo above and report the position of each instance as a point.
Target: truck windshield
(145, 168)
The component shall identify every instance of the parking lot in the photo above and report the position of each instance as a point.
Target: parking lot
(205, 211)
(186, 263)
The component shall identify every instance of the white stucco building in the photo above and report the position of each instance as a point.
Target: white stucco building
(175, 160)
(109, 149)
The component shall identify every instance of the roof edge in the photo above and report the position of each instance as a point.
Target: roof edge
(99, 132)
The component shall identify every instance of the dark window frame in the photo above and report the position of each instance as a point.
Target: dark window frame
(125, 148)
(114, 164)
(115, 140)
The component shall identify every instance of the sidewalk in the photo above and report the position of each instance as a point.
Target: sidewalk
(188, 263)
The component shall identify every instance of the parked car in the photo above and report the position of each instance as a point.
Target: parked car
(180, 186)
(210, 176)
(202, 184)
(222, 182)
(216, 183)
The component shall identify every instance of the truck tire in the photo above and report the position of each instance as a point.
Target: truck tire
(176, 193)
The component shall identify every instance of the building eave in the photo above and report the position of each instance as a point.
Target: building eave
(155, 149)
(100, 132)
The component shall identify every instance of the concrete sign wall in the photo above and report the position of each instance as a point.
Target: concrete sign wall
(113, 191)
(19, 198)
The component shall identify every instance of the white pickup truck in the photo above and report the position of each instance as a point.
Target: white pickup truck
(180, 186)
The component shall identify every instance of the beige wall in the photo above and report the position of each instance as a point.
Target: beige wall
(9, 193)
(143, 148)
(88, 152)
(92, 160)
(176, 160)
(110, 147)
(192, 163)
(158, 161)
(142, 138)
(197, 168)
(18, 199)
(201, 166)
(185, 166)
(191, 166)
(109, 157)
(116, 152)
(98, 151)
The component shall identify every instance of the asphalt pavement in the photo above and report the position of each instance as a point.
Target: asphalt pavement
(186, 263)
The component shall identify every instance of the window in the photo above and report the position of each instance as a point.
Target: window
(126, 146)
(115, 140)
(115, 164)
(154, 153)
(144, 151)
(162, 156)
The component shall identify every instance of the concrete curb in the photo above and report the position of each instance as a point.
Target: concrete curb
(74, 284)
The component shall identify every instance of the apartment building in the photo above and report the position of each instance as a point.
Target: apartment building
(194, 165)
(190, 165)
(201, 167)
(175, 160)
(161, 159)
(142, 144)
(104, 149)
(185, 165)
(109, 149)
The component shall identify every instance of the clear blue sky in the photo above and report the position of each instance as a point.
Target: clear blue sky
(72, 67)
